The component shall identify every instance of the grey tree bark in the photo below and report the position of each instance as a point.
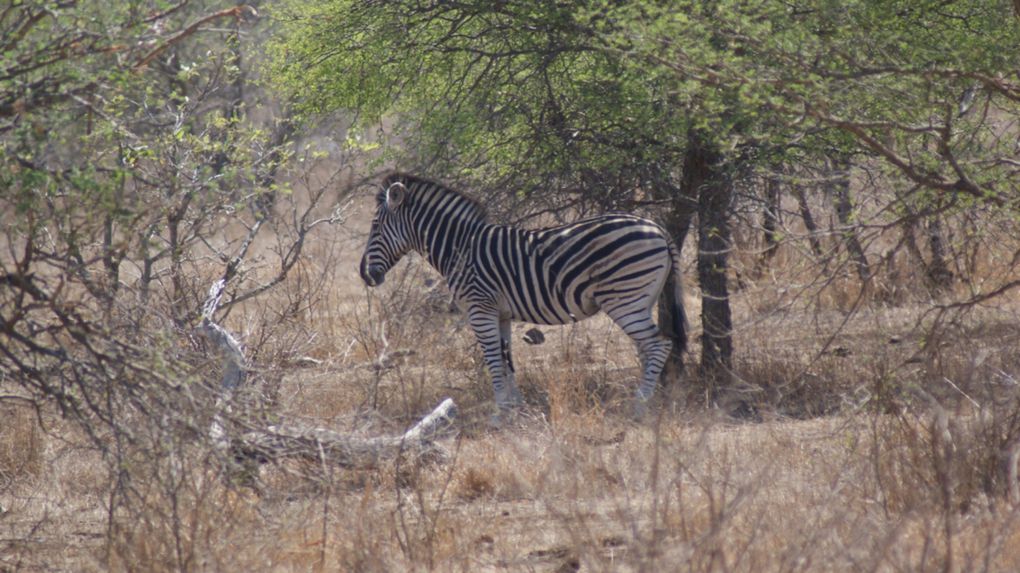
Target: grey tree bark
(771, 218)
(845, 215)
(706, 182)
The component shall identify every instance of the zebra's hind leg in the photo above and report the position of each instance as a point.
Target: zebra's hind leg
(653, 348)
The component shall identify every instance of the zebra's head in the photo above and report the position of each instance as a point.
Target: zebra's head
(389, 238)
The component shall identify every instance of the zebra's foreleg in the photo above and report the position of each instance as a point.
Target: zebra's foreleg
(487, 331)
(514, 394)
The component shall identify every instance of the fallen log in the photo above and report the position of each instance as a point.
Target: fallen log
(327, 446)
(282, 441)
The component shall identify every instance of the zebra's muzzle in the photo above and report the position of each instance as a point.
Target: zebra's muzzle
(373, 275)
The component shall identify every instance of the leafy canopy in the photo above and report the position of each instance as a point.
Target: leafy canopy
(610, 89)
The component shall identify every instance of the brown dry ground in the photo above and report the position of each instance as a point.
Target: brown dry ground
(845, 464)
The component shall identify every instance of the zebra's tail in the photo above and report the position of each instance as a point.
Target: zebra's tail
(678, 330)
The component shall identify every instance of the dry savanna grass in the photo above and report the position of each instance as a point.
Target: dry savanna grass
(844, 443)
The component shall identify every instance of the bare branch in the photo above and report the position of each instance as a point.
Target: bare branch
(236, 12)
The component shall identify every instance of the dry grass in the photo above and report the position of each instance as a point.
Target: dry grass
(872, 448)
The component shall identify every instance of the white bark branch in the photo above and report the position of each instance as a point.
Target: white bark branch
(277, 442)
(283, 441)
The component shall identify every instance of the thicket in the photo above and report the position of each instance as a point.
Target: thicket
(839, 161)
(692, 111)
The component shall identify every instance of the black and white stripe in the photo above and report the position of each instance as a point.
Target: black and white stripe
(618, 264)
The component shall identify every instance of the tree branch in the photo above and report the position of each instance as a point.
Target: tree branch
(236, 12)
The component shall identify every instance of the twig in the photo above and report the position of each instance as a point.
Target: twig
(236, 12)
(962, 393)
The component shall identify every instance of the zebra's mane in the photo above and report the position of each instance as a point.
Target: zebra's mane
(414, 183)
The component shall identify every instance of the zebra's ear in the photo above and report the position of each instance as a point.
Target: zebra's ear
(395, 195)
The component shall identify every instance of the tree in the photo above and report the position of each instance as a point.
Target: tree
(523, 97)
(598, 105)
(131, 177)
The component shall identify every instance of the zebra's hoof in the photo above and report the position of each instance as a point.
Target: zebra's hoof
(501, 420)
(497, 421)
(505, 416)
(510, 400)
(516, 399)
(642, 406)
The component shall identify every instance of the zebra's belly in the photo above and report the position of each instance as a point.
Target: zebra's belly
(550, 321)
(559, 310)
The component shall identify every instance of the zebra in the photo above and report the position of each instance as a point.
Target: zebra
(616, 263)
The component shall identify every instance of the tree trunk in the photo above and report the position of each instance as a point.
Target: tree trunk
(770, 221)
(705, 179)
(845, 215)
(809, 222)
(677, 223)
(938, 271)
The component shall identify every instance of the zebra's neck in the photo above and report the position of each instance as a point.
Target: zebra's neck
(443, 224)
(448, 250)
